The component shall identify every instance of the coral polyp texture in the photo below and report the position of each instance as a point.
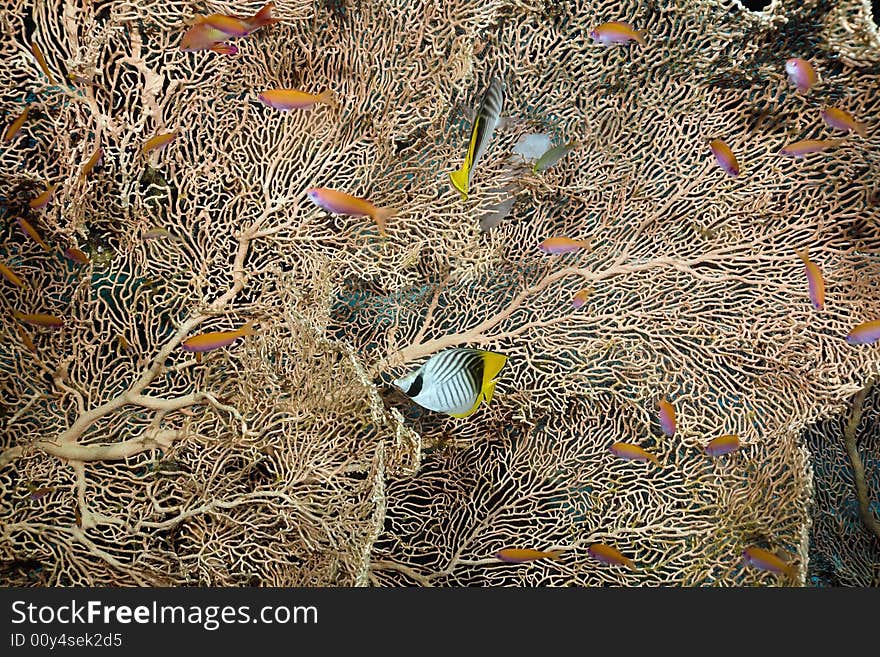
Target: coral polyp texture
(286, 458)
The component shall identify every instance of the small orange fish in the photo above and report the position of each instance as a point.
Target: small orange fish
(43, 199)
(157, 142)
(224, 48)
(667, 417)
(41, 61)
(202, 36)
(77, 256)
(96, 157)
(801, 148)
(516, 555)
(815, 282)
(579, 300)
(39, 319)
(11, 276)
(864, 333)
(835, 117)
(31, 232)
(156, 233)
(26, 339)
(558, 245)
(16, 125)
(765, 560)
(122, 344)
(216, 339)
(801, 73)
(633, 453)
(723, 445)
(342, 203)
(609, 555)
(286, 99)
(725, 157)
(617, 32)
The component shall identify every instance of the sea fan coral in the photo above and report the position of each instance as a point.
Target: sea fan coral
(287, 458)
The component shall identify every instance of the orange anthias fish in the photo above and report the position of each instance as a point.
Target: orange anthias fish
(16, 125)
(725, 157)
(77, 256)
(43, 199)
(801, 148)
(11, 276)
(801, 73)
(516, 555)
(815, 282)
(609, 555)
(93, 161)
(216, 339)
(865, 333)
(341, 203)
(667, 417)
(558, 245)
(286, 99)
(579, 300)
(39, 319)
(723, 445)
(617, 32)
(633, 453)
(158, 141)
(41, 61)
(31, 232)
(765, 560)
(210, 31)
(842, 120)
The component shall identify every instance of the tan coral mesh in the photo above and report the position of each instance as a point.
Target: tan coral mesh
(287, 459)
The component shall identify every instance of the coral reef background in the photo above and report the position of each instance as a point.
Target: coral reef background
(287, 459)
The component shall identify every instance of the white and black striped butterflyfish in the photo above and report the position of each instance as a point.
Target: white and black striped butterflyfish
(454, 381)
(485, 121)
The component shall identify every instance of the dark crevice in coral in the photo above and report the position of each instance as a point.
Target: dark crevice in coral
(756, 5)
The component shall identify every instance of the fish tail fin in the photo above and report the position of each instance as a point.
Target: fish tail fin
(326, 97)
(861, 129)
(381, 217)
(655, 460)
(492, 365)
(555, 554)
(640, 37)
(264, 16)
(803, 253)
(248, 328)
(460, 181)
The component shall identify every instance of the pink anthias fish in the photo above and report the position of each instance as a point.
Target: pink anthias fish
(342, 203)
(287, 99)
(617, 32)
(840, 119)
(801, 73)
(806, 146)
(725, 157)
(633, 453)
(815, 282)
(558, 245)
(865, 333)
(210, 32)
(216, 339)
(610, 555)
(667, 417)
(521, 555)
(722, 445)
(766, 560)
(579, 300)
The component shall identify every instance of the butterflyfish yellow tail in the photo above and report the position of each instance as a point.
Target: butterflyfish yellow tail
(492, 364)
(460, 181)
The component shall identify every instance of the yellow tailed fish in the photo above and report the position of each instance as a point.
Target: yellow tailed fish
(454, 381)
(484, 125)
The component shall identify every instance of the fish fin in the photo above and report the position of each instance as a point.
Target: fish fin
(381, 217)
(655, 460)
(326, 97)
(803, 254)
(264, 16)
(198, 356)
(460, 181)
(492, 365)
(488, 391)
(861, 129)
(640, 37)
(248, 328)
(555, 554)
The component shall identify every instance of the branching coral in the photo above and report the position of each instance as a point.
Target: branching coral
(277, 461)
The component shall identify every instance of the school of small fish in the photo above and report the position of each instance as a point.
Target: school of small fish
(458, 380)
